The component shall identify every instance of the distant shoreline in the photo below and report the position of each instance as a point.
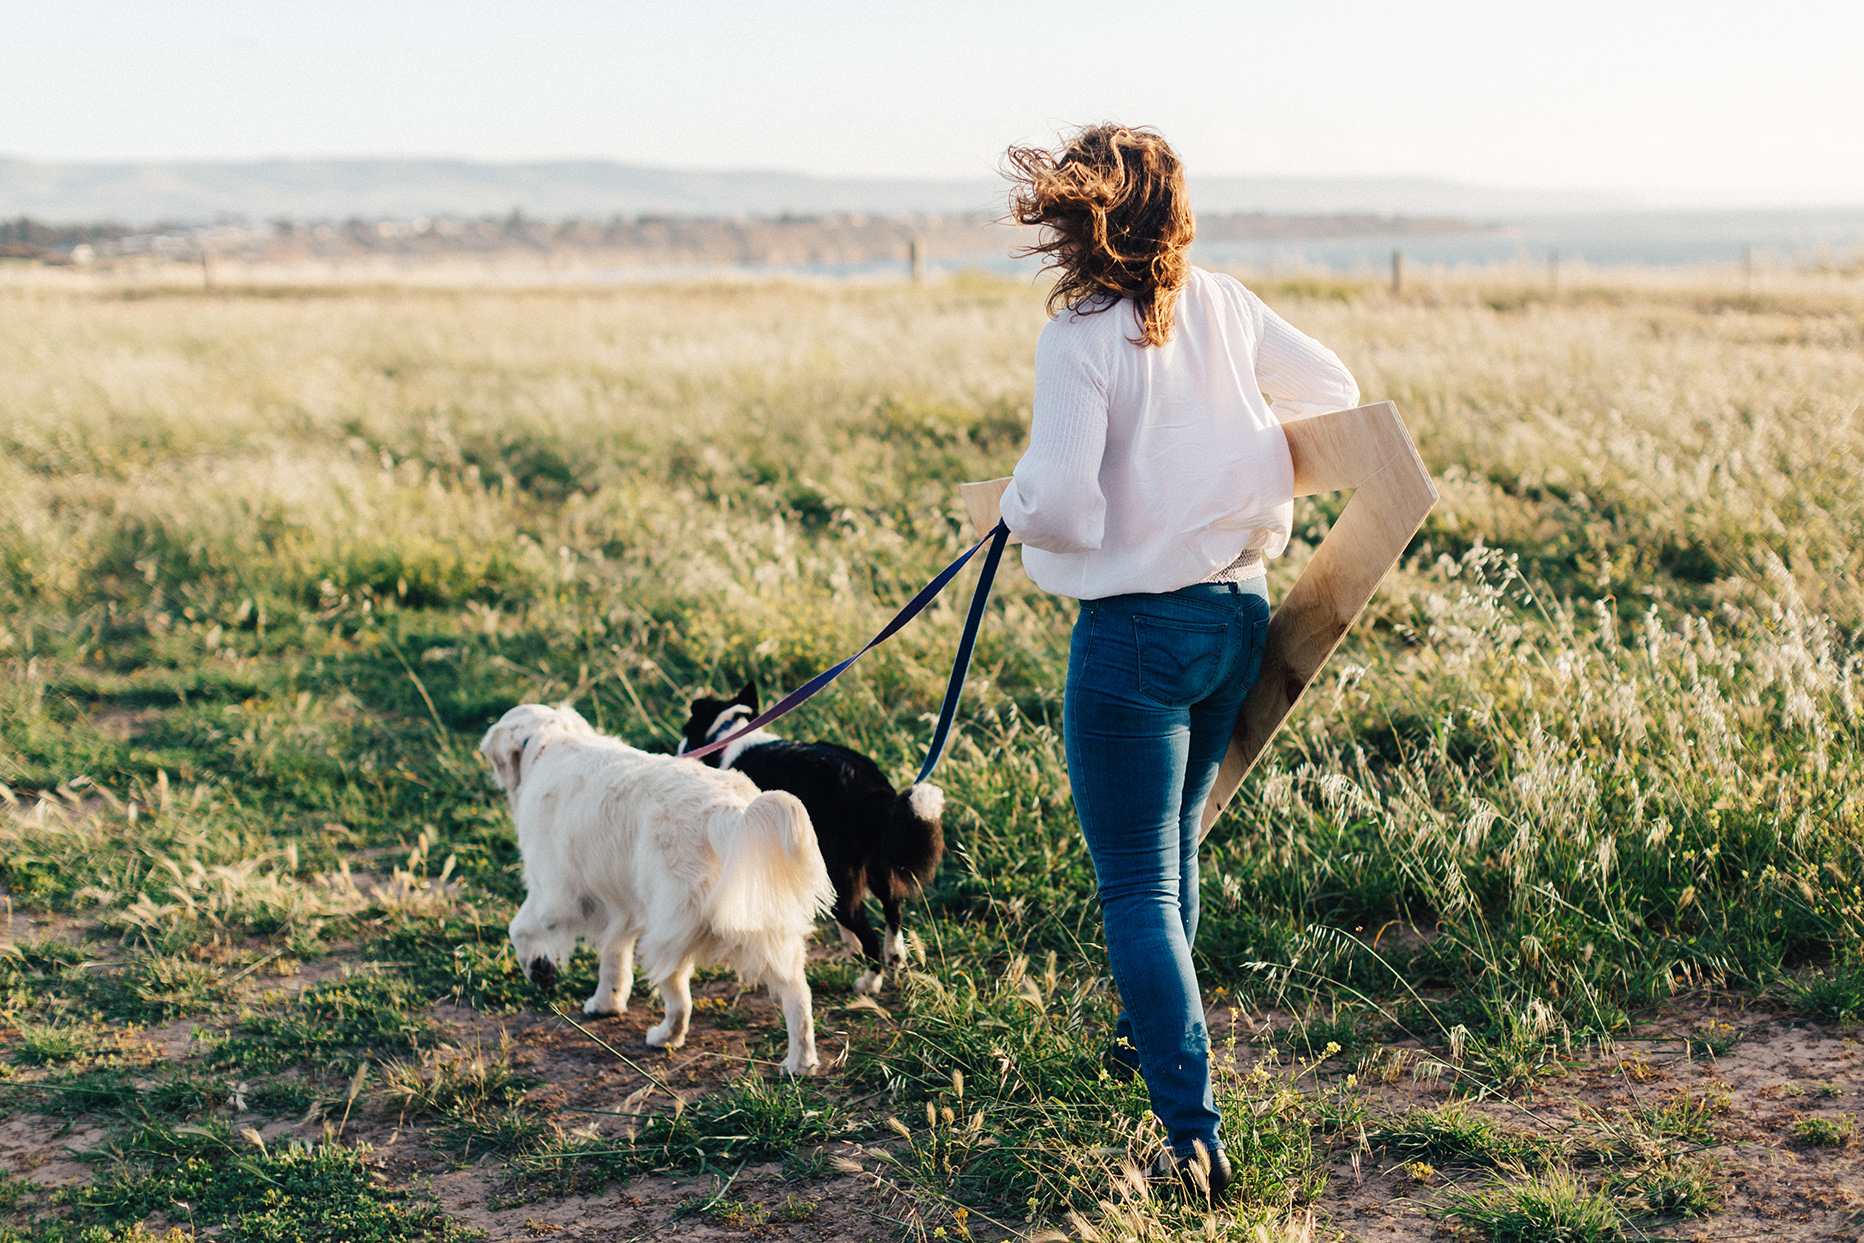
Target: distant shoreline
(141, 193)
(648, 241)
(517, 248)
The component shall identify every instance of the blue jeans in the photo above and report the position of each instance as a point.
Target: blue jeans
(1154, 686)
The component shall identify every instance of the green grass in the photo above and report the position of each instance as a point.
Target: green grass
(1457, 1135)
(1683, 1116)
(1555, 1207)
(52, 1043)
(63, 1231)
(268, 572)
(469, 962)
(735, 1214)
(752, 1119)
(472, 1098)
(1673, 1190)
(452, 1082)
(1836, 993)
(260, 1195)
(339, 1021)
(13, 1189)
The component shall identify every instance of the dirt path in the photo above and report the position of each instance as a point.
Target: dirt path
(1775, 1075)
(1771, 1084)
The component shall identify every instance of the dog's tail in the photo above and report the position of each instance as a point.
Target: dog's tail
(915, 837)
(771, 877)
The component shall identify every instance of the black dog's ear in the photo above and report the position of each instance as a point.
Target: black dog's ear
(748, 696)
(706, 710)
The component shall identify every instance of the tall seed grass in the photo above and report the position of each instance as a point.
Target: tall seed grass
(1595, 742)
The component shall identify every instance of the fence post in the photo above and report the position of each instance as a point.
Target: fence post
(916, 258)
(1397, 272)
(1553, 273)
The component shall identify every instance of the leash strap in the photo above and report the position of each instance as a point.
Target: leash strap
(998, 536)
(980, 595)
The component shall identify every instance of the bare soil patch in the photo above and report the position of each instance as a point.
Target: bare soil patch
(1778, 1073)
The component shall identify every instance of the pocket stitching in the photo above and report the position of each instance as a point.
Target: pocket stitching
(1140, 622)
(1093, 633)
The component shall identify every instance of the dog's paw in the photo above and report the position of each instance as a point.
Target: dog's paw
(603, 1008)
(660, 1036)
(797, 1067)
(870, 983)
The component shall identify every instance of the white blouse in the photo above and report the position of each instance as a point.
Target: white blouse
(1149, 468)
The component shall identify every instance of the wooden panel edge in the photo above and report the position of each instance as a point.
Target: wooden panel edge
(1339, 450)
(981, 502)
(1385, 512)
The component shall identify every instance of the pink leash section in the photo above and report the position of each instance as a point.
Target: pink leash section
(997, 538)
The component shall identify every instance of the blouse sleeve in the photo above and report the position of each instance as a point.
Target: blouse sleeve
(1298, 374)
(1054, 503)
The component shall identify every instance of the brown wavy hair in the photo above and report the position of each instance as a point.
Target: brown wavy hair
(1119, 221)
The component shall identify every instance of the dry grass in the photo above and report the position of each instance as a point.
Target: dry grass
(270, 560)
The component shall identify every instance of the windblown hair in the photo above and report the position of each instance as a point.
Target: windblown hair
(1118, 219)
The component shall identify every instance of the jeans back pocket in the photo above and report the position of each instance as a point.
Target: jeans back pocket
(1180, 662)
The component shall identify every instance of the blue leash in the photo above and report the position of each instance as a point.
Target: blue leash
(997, 539)
(961, 665)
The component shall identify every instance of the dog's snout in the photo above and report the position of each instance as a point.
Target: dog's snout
(544, 974)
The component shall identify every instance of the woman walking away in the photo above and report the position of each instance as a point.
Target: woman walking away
(1156, 482)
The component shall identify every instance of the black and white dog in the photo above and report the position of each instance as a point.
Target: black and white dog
(871, 838)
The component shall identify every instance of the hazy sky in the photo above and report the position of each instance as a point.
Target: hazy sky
(1703, 102)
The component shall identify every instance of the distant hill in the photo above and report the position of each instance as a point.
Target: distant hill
(340, 189)
(196, 191)
(1389, 196)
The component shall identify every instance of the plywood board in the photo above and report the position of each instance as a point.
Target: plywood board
(983, 502)
(1368, 450)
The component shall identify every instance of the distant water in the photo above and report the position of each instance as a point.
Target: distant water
(1647, 239)
(1795, 238)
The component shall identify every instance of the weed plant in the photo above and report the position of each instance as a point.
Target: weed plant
(1817, 1132)
(1554, 1207)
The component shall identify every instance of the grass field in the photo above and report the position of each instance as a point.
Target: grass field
(1540, 922)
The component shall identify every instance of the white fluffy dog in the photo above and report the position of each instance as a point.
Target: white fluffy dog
(682, 862)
